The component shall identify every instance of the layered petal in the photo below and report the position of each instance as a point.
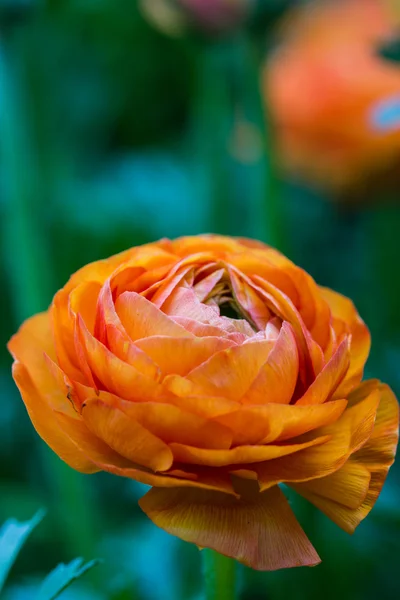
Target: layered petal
(348, 495)
(126, 436)
(45, 423)
(260, 531)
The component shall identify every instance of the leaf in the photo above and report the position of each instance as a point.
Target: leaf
(13, 535)
(62, 576)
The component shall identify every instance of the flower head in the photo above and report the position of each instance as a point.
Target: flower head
(212, 369)
(335, 100)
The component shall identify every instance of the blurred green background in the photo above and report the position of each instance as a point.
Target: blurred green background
(122, 122)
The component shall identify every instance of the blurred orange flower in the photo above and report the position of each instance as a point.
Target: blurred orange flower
(212, 369)
(335, 101)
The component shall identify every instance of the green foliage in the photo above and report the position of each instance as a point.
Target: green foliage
(62, 577)
(13, 536)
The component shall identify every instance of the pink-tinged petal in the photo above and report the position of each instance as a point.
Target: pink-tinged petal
(181, 355)
(199, 329)
(347, 435)
(239, 455)
(176, 277)
(113, 374)
(282, 306)
(126, 436)
(183, 302)
(328, 380)
(205, 286)
(373, 460)
(46, 425)
(278, 422)
(230, 372)
(141, 318)
(110, 332)
(173, 424)
(249, 301)
(261, 532)
(277, 378)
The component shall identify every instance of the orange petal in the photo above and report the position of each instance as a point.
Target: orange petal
(181, 355)
(277, 379)
(374, 458)
(249, 301)
(327, 381)
(347, 435)
(204, 406)
(278, 422)
(262, 532)
(238, 455)
(127, 437)
(346, 318)
(172, 424)
(114, 374)
(199, 329)
(142, 319)
(45, 423)
(230, 372)
(203, 287)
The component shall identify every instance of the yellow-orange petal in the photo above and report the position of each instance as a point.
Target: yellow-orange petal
(278, 422)
(33, 338)
(173, 424)
(347, 320)
(114, 375)
(261, 532)
(328, 380)
(230, 372)
(347, 435)
(126, 436)
(276, 380)
(45, 423)
(181, 355)
(239, 455)
(373, 461)
(142, 319)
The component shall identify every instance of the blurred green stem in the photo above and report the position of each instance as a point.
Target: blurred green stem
(235, 139)
(29, 264)
(219, 576)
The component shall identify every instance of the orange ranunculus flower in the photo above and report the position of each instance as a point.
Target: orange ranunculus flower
(334, 100)
(212, 369)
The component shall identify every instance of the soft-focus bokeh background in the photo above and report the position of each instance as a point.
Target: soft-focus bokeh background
(123, 121)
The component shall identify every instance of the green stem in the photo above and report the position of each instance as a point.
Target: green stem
(219, 576)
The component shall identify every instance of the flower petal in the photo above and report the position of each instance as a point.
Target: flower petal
(239, 455)
(347, 435)
(126, 436)
(277, 379)
(260, 532)
(347, 320)
(173, 424)
(181, 355)
(277, 422)
(365, 472)
(327, 381)
(142, 319)
(45, 423)
(114, 375)
(230, 372)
